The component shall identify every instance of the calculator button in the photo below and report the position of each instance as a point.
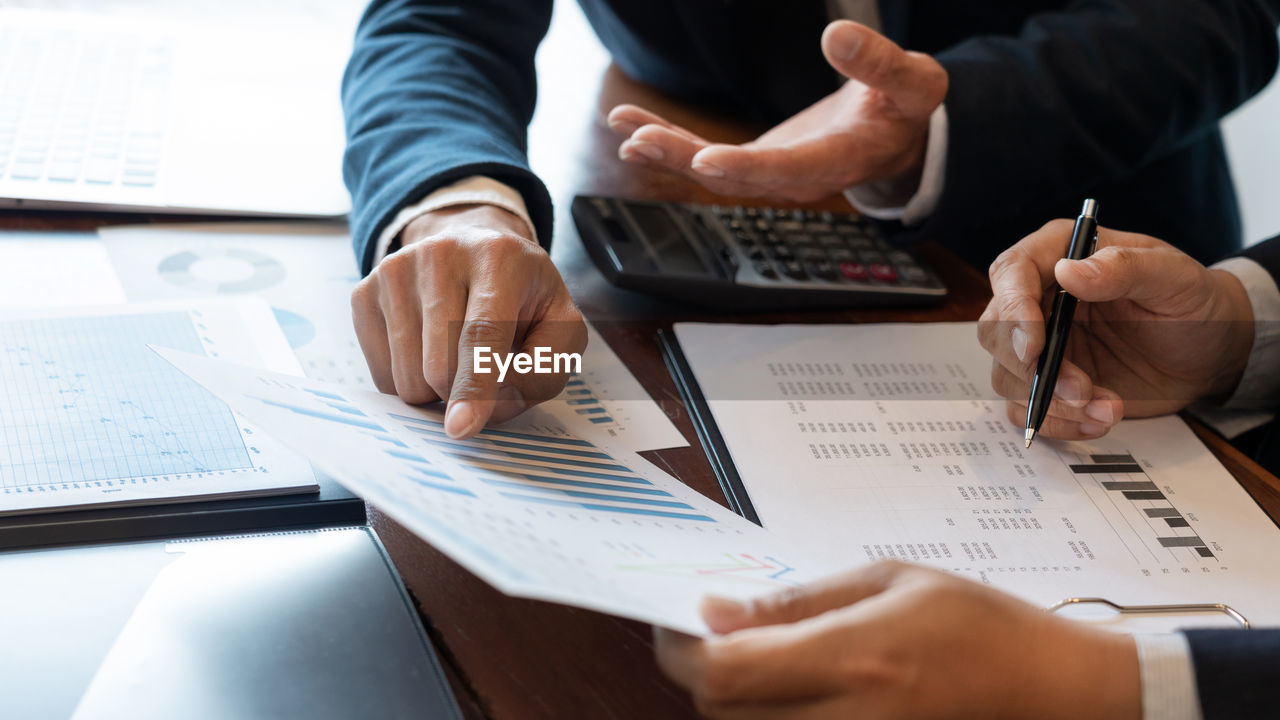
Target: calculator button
(766, 269)
(817, 227)
(788, 226)
(913, 274)
(781, 252)
(842, 255)
(853, 270)
(794, 270)
(830, 241)
(871, 257)
(884, 272)
(811, 254)
(755, 252)
(899, 257)
(824, 270)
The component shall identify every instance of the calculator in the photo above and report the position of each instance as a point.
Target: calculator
(750, 258)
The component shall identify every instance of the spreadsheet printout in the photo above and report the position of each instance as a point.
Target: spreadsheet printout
(90, 416)
(886, 441)
(532, 508)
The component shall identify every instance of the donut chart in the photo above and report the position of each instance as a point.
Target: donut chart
(221, 271)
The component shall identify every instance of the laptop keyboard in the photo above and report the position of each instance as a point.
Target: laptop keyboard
(82, 107)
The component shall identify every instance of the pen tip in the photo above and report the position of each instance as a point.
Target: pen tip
(1031, 435)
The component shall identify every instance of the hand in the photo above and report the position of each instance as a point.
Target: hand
(466, 277)
(1154, 332)
(874, 127)
(892, 640)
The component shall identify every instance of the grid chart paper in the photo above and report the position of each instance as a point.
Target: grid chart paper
(89, 414)
(87, 401)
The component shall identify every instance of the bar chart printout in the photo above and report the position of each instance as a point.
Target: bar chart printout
(92, 416)
(533, 509)
(1159, 526)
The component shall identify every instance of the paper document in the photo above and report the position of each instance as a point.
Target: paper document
(91, 416)
(886, 441)
(538, 513)
(307, 273)
(44, 270)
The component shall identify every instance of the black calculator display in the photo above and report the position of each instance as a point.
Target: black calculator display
(749, 258)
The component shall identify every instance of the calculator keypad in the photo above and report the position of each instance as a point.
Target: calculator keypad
(816, 247)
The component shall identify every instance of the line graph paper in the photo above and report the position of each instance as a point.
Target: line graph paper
(86, 400)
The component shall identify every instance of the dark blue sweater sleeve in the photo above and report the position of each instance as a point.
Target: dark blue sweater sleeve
(1082, 96)
(1237, 672)
(435, 91)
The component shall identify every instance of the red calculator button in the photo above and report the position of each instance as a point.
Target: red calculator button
(853, 270)
(884, 272)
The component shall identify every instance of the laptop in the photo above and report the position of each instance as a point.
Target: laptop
(130, 113)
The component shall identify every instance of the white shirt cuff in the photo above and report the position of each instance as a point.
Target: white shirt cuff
(474, 190)
(1168, 678)
(1259, 388)
(907, 200)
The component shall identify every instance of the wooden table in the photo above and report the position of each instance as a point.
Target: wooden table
(511, 658)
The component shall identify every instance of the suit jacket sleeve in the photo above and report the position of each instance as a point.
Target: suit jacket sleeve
(436, 91)
(1083, 96)
(1237, 672)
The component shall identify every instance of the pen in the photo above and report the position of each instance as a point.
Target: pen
(1084, 239)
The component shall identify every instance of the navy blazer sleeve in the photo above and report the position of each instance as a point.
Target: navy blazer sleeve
(1081, 96)
(1237, 672)
(435, 92)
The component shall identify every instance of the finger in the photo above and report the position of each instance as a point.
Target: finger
(724, 615)
(626, 119)
(1099, 405)
(443, 306)
(1073, 388)
(403, 316)
(564, 333)
(490, 323)
(915, 82)
(1055, 427)
(658, 146)
(661, 146)
(1012, 327)
(371, 333)
(1162, 280)
(772, 168)
(779, 662)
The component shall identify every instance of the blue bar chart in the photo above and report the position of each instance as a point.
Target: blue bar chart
(558, 472)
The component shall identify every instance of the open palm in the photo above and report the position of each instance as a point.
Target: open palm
(875, 127)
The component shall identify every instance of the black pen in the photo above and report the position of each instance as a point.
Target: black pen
(1084, 240)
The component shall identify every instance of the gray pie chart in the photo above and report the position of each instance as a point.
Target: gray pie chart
(221, 271)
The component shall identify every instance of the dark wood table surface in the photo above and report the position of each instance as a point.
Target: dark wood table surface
(510, 658)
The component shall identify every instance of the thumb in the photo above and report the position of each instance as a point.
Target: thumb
(1162, 280)
(724, 615)
(915, 82)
